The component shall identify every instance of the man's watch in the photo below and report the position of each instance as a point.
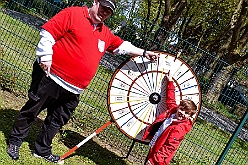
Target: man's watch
(144, 53)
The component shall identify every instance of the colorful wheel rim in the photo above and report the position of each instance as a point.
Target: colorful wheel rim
(136, 92)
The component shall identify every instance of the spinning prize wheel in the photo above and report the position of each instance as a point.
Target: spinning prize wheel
(136, 92)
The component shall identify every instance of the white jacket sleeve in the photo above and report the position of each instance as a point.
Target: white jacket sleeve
(124, 48)
(128, 48)
(44, 48)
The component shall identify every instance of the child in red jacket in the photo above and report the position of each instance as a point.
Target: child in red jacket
(169, 128)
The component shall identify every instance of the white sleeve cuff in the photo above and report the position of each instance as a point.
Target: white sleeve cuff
(45, 45)
(124, 48)
(46, 58)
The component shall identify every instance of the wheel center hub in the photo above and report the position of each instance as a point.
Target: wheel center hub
(154, 98)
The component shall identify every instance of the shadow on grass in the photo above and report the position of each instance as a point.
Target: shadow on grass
(90, 149)
(8, 117)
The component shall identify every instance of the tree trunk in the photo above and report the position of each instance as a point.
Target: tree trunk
(168, 22)
(218, 83)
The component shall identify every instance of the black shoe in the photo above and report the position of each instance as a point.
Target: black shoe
(13, 151)
(51, 158)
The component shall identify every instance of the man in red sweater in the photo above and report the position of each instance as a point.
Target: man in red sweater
(169, 128)
(70, 48)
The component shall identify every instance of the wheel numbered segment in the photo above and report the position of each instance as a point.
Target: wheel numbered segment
(136, 92)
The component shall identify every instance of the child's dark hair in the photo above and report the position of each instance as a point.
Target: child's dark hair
(188, 106)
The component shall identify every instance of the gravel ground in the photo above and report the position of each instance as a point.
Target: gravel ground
(112, 62)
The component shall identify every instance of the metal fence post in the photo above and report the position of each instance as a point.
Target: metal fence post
(234, 135)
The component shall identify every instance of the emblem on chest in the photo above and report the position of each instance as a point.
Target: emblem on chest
(101, 45)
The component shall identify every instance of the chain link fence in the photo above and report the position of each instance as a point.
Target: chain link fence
(20, 23)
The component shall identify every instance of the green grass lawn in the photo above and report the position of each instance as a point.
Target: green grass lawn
(93, 152)
(202, 145)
